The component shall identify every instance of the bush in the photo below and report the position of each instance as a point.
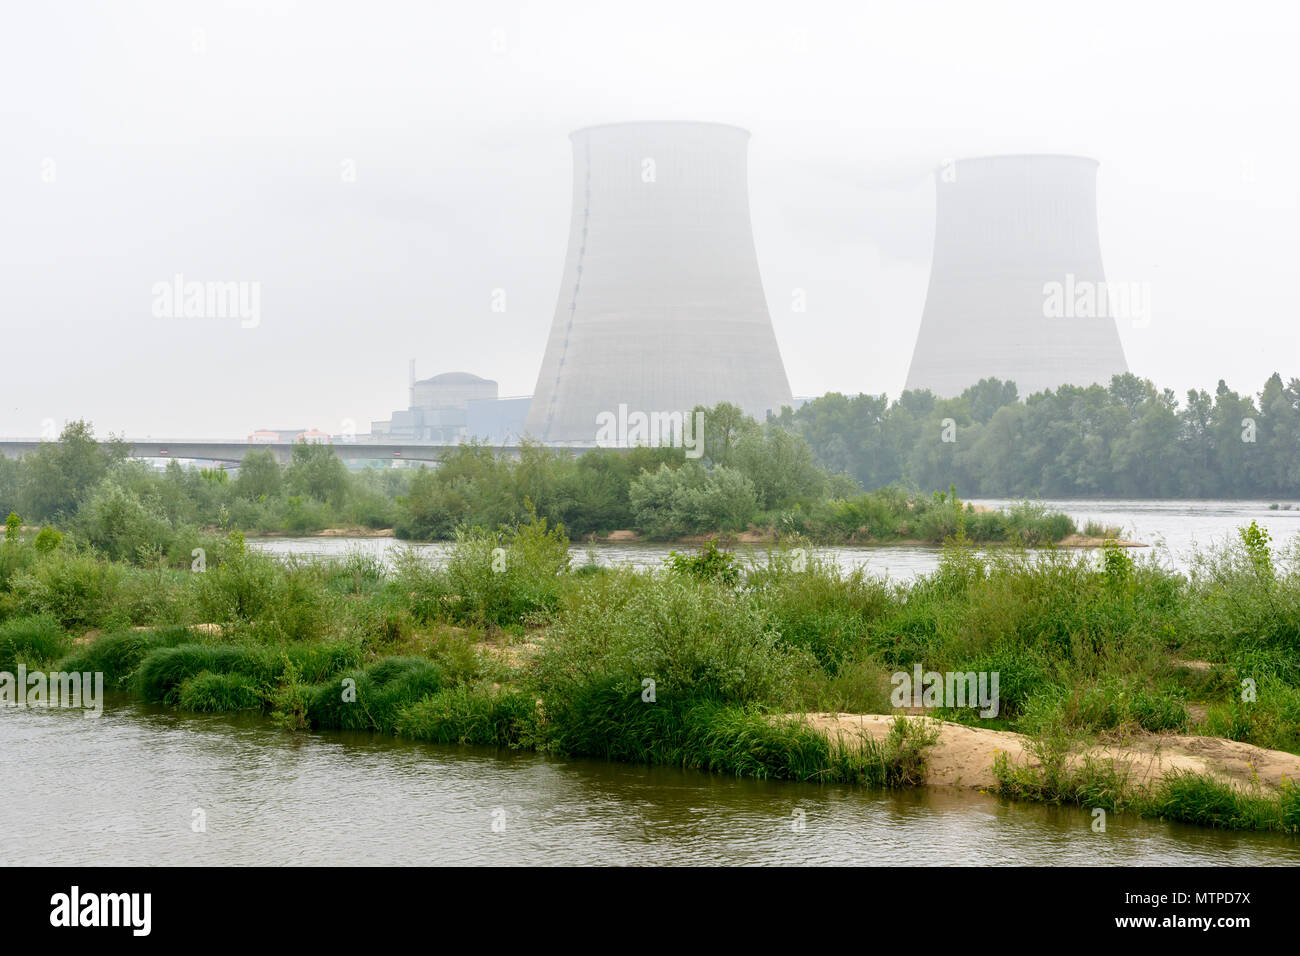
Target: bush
(122, 526)
(708, 564)
(280, 601)
(163, 670)
(820, 608)
(470, 715)
(14, 557)
(876, 514)
(373, 699)
(672, 502)
(207, 692)
(1031, 524)
(504, 577)
(79, 590)
(1241, 605)
(624, 633)
(1022, 674)
(35, 640)
(357, 572)
(240, 588)
(118, 655)
(303, 515)
(47, 540)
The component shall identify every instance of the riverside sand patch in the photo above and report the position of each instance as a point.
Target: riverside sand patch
(963, 756)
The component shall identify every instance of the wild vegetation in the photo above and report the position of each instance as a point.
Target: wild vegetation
(706, 663)
(747, 477)
(1129, 439)
(803, 472)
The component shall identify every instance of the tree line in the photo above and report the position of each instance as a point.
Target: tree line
(803, 471)
(1128, 439)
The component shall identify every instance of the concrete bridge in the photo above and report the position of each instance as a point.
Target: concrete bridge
(235, 450)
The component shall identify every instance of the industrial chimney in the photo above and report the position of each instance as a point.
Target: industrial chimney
(1017, 290)
(661, 306)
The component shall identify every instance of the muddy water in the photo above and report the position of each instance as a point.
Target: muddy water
(125, 788)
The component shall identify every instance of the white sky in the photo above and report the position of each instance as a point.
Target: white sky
(224, 163)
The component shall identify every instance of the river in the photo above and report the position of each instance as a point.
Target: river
(1172, 529)
(125, 788)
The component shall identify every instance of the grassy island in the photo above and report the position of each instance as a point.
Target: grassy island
(758, 482)
(731, 665)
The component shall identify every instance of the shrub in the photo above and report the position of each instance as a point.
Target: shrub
(118, 655)
(708, 564)
(1240, 605)
(77, 589)
(240, 588)
(211, 693)
(46, 540)
(671, 502)
(874, 514)
(470, 715)
(505, 576)
(14, 557)
(163, 670)
(1021, 675)
(819, 608)
(1030, 523)
(625, 633)
(373, 699)
(122, 526)
(34, 640)
(281, 601)
(357, 572)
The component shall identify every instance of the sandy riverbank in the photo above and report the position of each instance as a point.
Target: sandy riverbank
(963, 756)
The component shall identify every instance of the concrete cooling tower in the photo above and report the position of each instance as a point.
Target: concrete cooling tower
(661, 307)
(1011, 233)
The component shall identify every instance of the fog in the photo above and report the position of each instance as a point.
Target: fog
(382, 169)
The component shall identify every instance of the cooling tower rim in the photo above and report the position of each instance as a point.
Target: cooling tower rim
(995, 157)
(730, 126)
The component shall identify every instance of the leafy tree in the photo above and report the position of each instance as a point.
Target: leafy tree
(317, 473)
(1124, 438)
(60, 473)
(669, 503)
(724, 427)
(780, 464)
(118, 523)
(259, 476)
(988, 395)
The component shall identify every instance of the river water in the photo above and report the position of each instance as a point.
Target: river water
(132, 786)
(1172, 529)
(125, 788)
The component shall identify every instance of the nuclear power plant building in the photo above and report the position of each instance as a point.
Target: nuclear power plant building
(1017, 290)
(661, 307)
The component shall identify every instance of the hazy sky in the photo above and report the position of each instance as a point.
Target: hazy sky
(381, 168)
